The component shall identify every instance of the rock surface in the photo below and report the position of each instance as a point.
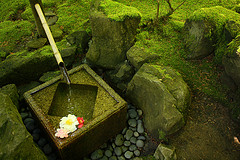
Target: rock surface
(16, 142)
(112, 34)
(164, 152)
(162, 95)
(12, 92)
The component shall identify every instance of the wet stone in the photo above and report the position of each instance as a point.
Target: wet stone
(124, 130)
(132, 122)
(108, 153)
(121, 158)
(104, 158)
(42, 142)
(128, 134)
(47, 149)
(24, 115)
(140, 128)
(140, 112)
(37, 131)
(30, 126)
(136, 134)
(118, 151)
(97, 154)
(52, 156)
(103, 146)
(127, 143)
(128, 154)
(119, 140)
(142, 138)
(133, 129)
(35, 137)
(132, 113)
(140, 143)
(27, 120)
(124, 149)
(133, 140)
(133, 147)
(113, 158)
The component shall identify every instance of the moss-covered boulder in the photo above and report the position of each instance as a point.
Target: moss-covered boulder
(204, 31)
(137, 56)
(16, 142)
(162, 95)
(12, 92)
(113, 32)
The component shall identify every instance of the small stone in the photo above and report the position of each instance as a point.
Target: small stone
(124, 130)
(97, 154)
(133, 129)
(47, 149)
(118, 151)
(137, 153)
(128, 134)
(133, 140)
(113, 145)
(128, 155)
(52, 156)
(121, 158)
(108, 153)
(119, 140)
(140, 128)
(136, 134)
(113, 158)
(124, 149)
(140, 143)
(27, 120)
(35, 137)
(142, 138)
(132, 113)
(132, 122)
(104, 158)
(52, 20)
(24, 115)
(42, 142)
(132, 147)
(140, 112)
(37, 43)
(30, 126)
(103, 146)
(127, 143)
(36, 131)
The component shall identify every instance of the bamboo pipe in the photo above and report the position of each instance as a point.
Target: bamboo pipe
(53, 44)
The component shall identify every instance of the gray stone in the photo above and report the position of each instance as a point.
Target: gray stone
(12, 92)
(133, 139)
(127, 143)
(104, 146)
(108, 153)
(49, 75)
(16, 142)
(137, 153)
(132, 113)
(124, 149)
(140, 128)
(140, 112)
(128, 154)
(118, 151)
(97, 154)
(160, 112)
(119, 140)
(28, 120)
(68, 55)
(132, 122)
(136, 134)
(42, 141)
(51, 20)
(104, 158)
(47, 149)
(142, 138)
(121, 158)
(35, 137)
(26, 87)
(24, 115)
(112, 35)
(139, 143)
(113, 158)
(30, 126)
(132, 148)
(129, 134)
(57, 33)
(138, 56)
(124, 130)
(37, 43)
(164, 152)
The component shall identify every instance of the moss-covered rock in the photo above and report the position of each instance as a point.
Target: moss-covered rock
(204, 30)
(113, 32)
(16, 142)
(12, 92)
(162, 95)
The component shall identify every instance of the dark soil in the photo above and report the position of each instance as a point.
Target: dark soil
(208, 134)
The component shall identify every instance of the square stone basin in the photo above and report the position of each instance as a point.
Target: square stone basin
(103, 110)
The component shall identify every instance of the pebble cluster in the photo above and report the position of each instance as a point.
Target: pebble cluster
(126, 145)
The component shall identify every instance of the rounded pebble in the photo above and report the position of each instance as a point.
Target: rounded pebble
(133, 140)
(124, 130)
(132, 148)
(37, 131)
(104, 158)
(127, 143)
(140, 112)
(128, 134)
(121, 158)
(128, 154)
(119, 140)
(113, 158)
(108, 153)
(97, 154)
(140, 128)
(139, 143)
(137, 153)
(142, 138)
(132, 122)
(30, 126)
(24, 115)
(136, 134)
(124, 149)
(132, 113)
(47, 149)
(35, 137)
(52, 156)
(118, 151)
(42, 142)
(27, 120)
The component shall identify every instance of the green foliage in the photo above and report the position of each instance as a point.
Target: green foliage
(9, 8)
(27, 14)
(13, 33)
(118, 11)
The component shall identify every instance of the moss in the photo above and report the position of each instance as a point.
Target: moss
(27, 14)
(233, 47)
(117, 11)
(13, 33)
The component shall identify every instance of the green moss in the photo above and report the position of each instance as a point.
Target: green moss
(13, 33)
(28, 15)
(118, 11)
(233, 47)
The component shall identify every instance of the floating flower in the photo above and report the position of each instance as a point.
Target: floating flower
(62, 133)
(80, 121)
(69, 123)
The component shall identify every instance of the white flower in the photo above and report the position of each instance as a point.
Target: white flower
(69, 123)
